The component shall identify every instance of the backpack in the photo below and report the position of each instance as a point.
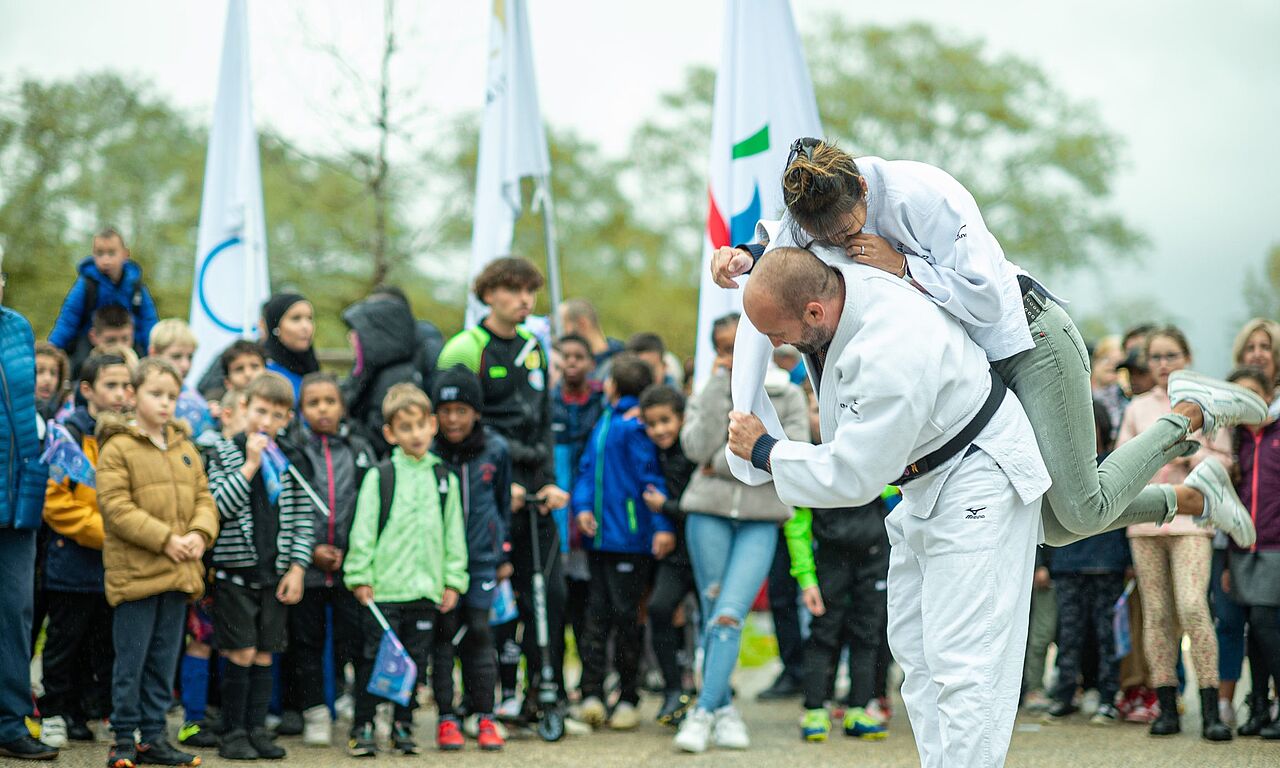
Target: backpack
(91, 298)
(387, 490)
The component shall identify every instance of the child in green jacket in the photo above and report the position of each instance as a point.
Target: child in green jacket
(407, 551)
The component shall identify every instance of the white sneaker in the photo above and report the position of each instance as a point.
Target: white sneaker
(508, 709)
(53, 731)
(730, 731)
(695, 731)
(317, 727)
(592, 712)
(1222, 506)
(1089, 702)
(575, 727)
(625, 717)
(345, 706)
(1224, 404)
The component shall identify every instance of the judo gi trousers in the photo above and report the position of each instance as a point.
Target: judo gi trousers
(959, 601)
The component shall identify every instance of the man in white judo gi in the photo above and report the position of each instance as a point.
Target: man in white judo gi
(905, 396)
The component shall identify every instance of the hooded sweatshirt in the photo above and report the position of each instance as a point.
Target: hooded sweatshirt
(386, 354)
(423, 548)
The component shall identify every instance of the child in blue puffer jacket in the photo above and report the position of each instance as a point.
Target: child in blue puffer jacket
(107, 278)
(624, 537)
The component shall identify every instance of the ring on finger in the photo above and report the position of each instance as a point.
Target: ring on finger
(862, 250)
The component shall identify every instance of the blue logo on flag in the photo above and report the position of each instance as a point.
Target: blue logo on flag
(200, 288)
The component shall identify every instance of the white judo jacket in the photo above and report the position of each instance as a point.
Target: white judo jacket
(929, 217)
(901, 378)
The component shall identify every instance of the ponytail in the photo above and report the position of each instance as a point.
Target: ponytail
(820, 185)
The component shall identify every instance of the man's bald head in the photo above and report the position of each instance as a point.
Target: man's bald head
(793, 297)
(792, 278)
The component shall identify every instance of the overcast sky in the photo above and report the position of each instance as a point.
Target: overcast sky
(1194, 89)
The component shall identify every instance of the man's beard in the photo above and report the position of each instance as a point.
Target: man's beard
(813, 339)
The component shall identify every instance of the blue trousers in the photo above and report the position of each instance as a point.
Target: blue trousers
(148, 639)
(17, 574)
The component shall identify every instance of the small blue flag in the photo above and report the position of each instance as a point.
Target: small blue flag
(274, 465)
(194, 410)
(394, 674)
(65, 457)
(504, 608)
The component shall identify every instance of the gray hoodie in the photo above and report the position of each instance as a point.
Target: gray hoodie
(705, 434)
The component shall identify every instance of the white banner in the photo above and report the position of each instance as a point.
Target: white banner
(513, 144)
(231, 280)
(764, 101)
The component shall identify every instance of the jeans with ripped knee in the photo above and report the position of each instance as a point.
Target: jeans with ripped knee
(731, 559)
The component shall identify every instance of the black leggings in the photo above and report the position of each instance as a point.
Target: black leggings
(671, 583)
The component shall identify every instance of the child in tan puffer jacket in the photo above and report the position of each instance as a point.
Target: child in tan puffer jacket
(159, 519)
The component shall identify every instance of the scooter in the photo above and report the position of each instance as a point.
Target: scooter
(550, 712)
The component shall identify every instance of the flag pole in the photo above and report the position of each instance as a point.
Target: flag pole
(553, 255)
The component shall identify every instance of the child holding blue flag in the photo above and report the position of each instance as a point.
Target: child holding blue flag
(77, 652)
(408, 551)
(260, 559)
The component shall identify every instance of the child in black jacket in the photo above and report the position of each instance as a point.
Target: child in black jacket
(482, 461)
(662, 408)
(333, 458)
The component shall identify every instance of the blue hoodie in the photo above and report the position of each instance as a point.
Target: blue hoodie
(619, 463)
(75, 319)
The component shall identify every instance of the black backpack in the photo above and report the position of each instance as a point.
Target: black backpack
(387, 490)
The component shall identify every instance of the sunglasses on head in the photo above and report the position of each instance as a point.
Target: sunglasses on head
(805, 145)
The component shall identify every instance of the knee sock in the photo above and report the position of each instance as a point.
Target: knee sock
(195, 687)
(235, 696)
(261, 681)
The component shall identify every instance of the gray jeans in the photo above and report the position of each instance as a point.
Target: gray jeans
(1052, 382)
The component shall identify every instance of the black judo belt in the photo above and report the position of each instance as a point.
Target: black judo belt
(962, 440)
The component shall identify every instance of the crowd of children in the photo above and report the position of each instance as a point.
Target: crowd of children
(244, 544)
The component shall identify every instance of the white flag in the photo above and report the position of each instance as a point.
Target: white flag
(513, 144)
(764, 101)
(231, 281)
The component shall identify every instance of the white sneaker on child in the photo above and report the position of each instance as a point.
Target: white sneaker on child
(53, 731)
(695, 731)
(592, 712)
(509, 709)
(730, 731)
(625, 717)
(317, 727)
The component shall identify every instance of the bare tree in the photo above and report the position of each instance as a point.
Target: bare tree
(387, 115)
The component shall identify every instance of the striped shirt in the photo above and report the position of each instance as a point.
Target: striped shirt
(234, 498)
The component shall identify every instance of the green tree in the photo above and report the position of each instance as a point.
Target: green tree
(1040, 165)
(606, 252)
(101, 149)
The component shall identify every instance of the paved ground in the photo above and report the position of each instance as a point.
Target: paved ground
(775, 738)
